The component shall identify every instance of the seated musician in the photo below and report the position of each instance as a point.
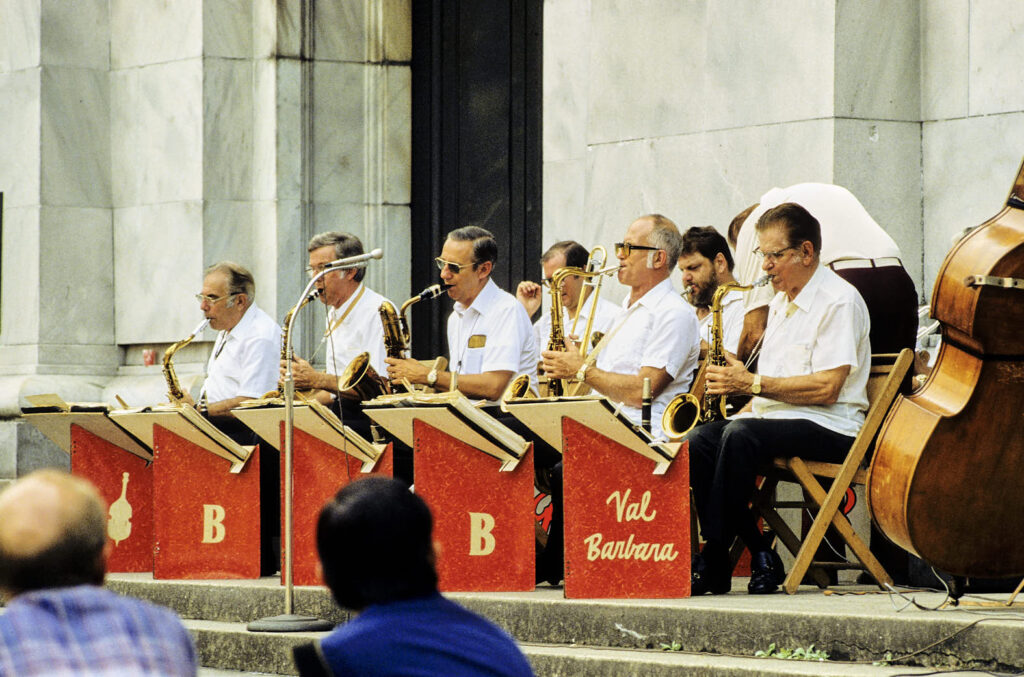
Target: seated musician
(243, 366)
(353, 326)
(809, 399)
(654, 336)
(490, 339)
(577, 304)
(706, 263)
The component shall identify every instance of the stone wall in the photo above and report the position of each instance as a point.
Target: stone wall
(145, 141)
(695, 109)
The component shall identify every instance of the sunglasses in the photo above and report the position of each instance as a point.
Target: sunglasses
(624, 249)
(455, 268)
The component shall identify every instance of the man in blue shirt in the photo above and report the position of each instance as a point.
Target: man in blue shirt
(377, 554)
(58, 620)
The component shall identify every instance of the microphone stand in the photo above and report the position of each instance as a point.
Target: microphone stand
(289, 621)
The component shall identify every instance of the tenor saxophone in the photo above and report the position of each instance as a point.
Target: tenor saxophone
(174, 392)
(363, 378)
(285, 335)
(685, 411)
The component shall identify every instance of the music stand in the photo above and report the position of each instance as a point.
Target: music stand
(477, 477)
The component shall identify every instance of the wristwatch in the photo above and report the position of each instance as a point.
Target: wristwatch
(755, 387)
(432, 377)
(581, 375)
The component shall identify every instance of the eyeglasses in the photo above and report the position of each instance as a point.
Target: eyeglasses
(624, 249)
(214, 300)
(314, 271)
(455, 268)
(774, 256)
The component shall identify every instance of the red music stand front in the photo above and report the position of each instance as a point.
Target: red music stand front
(483, 516)
(319, 470)
(207, 518)
(627, 530)
(125, 481)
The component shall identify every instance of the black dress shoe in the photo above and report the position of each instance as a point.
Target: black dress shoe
(766, 573)
(709, 577)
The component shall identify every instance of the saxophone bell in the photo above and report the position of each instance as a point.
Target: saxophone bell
(362, 379)
(680, 416)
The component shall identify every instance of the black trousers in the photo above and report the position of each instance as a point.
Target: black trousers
(725, 457)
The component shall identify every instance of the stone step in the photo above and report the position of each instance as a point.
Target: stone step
(856, 623)
(229, 646)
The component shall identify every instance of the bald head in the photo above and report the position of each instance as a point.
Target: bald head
(52, 533)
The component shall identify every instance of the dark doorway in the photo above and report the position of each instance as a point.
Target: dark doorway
(476, 141)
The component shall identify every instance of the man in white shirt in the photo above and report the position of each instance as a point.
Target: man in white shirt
(855, 247)
(243, 364)
(654, 336)
(706, 263)
(490, 339)
(810, 396)
(353, 321)
(577, 301)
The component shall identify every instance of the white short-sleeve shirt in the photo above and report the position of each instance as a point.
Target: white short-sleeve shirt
(826, 326)
(245, 360)
(659, 331)
(360, 331)
(492, 334)
(847, 232)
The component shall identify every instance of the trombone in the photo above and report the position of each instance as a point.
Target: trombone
(595, 274)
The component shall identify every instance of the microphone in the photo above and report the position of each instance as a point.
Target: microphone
(354, 261)
(433, 291)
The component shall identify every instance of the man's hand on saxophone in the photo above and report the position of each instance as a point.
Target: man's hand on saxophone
(731, 379)
(407, 369)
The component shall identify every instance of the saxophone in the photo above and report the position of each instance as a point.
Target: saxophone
(685, 411)
(284, 336)
(174, 392)
(359, 375)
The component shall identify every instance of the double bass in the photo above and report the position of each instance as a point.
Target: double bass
(947, 479)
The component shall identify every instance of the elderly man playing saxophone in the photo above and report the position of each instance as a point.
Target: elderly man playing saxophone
(655, 336)
(809, 397)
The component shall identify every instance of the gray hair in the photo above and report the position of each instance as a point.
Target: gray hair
(240, 280)
(665, 235)
(345, 245)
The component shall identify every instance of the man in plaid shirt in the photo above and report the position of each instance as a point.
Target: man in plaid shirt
(58, 619)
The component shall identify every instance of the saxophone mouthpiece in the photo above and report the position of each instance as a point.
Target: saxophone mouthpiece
(433, 291)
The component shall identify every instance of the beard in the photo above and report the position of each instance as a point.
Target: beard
(706, 293)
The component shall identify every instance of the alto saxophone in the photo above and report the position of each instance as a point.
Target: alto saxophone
(174, 392)
(685, 411)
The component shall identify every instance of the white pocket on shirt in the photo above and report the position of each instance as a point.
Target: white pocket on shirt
(473, 361)
(796, 359)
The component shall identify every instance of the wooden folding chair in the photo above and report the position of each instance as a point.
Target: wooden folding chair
(887, 374)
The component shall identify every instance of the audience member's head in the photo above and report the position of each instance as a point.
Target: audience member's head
(375, 544)
(53, 533)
